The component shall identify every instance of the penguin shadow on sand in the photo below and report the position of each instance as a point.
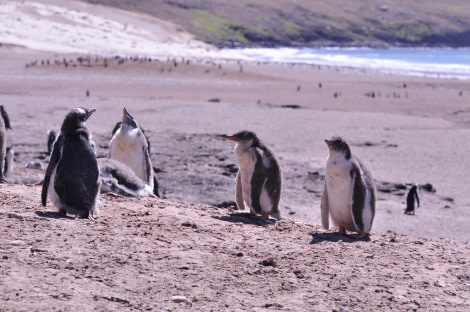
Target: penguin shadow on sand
(246, 218)
(53, 215)
(336, 237)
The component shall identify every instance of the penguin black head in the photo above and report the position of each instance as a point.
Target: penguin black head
(244, 137)
(127, 119)
(76, 119)
(337, 144)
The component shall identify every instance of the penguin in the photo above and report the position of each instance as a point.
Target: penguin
(120, 179)
(10, 153)
(51, 136)
(349, 193)
(3, 147)
(413, 195)
(129, 145)
(5, 118)
(72, 179)
(259, 178)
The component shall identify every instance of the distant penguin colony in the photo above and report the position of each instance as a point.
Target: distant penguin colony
(130, 147)
(72, 179)
(258, 181)
(411, 198)
(349, 194)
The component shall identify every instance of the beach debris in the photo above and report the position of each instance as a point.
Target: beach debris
(179, 299)
(268, 262)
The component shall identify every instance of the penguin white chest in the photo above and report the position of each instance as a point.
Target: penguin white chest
(126, 147)
(339, 188)
(246, 159)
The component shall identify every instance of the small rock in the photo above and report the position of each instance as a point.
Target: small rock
(268, 262)
(179, 299)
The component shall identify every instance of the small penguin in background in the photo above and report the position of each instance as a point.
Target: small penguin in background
(349, 194)
(51, 136)
(129, 145)
(5, 118)
(259, 179)
(3, 149)
(120, 179)
(72, 179)
(413, 195)
(10, 153)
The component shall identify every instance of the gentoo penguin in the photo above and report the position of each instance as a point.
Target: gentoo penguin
(120, 179)
(349, 193)
(413, 195)
(5, 118)
(72, 177)
(10, 153)
(258, 182)
(129, 146)
(51, 136)
(3, 147)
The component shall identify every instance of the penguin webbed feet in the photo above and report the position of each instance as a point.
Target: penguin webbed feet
(3, 180)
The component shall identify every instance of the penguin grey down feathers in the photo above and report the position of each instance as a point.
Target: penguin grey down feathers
(72, 179)
(349, 194)
(120, 179)
(259, 179)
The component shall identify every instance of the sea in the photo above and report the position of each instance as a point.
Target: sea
(441, 63)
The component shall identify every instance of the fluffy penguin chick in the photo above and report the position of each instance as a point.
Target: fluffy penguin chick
(349, 193)
(258, 182)
(120, 179)
(129, 146)
(72, 179)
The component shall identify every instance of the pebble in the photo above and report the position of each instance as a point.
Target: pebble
(179, 299)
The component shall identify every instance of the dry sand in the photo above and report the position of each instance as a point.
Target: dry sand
(141, 252)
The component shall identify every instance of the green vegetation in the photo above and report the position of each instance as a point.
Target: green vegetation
(311, 23)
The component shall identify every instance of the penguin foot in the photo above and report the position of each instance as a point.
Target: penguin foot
(2, 180)
(342, 230)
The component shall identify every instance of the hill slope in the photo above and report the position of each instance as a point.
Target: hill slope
(142, 253)
(314, 23)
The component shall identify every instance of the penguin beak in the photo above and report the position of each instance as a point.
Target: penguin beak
(128, 119)
(231, 138)
(328, 142)
(90, 112)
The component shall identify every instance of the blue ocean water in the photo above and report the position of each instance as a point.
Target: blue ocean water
(444, 63)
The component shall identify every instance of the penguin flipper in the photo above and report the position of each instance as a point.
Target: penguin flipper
(358, 198)
(148, 167)
(239, 193)
(54, 159)
(325, 210)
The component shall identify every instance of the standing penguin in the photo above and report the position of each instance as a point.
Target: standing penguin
(349, 193)
(3, 149)
(129, 146)
(72, 177)
(413, 195)
(259, 180)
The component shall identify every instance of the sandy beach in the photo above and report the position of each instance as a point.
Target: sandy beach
(406, 129)
(410, 132)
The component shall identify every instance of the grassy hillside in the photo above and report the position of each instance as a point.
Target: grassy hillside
(314, 23)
